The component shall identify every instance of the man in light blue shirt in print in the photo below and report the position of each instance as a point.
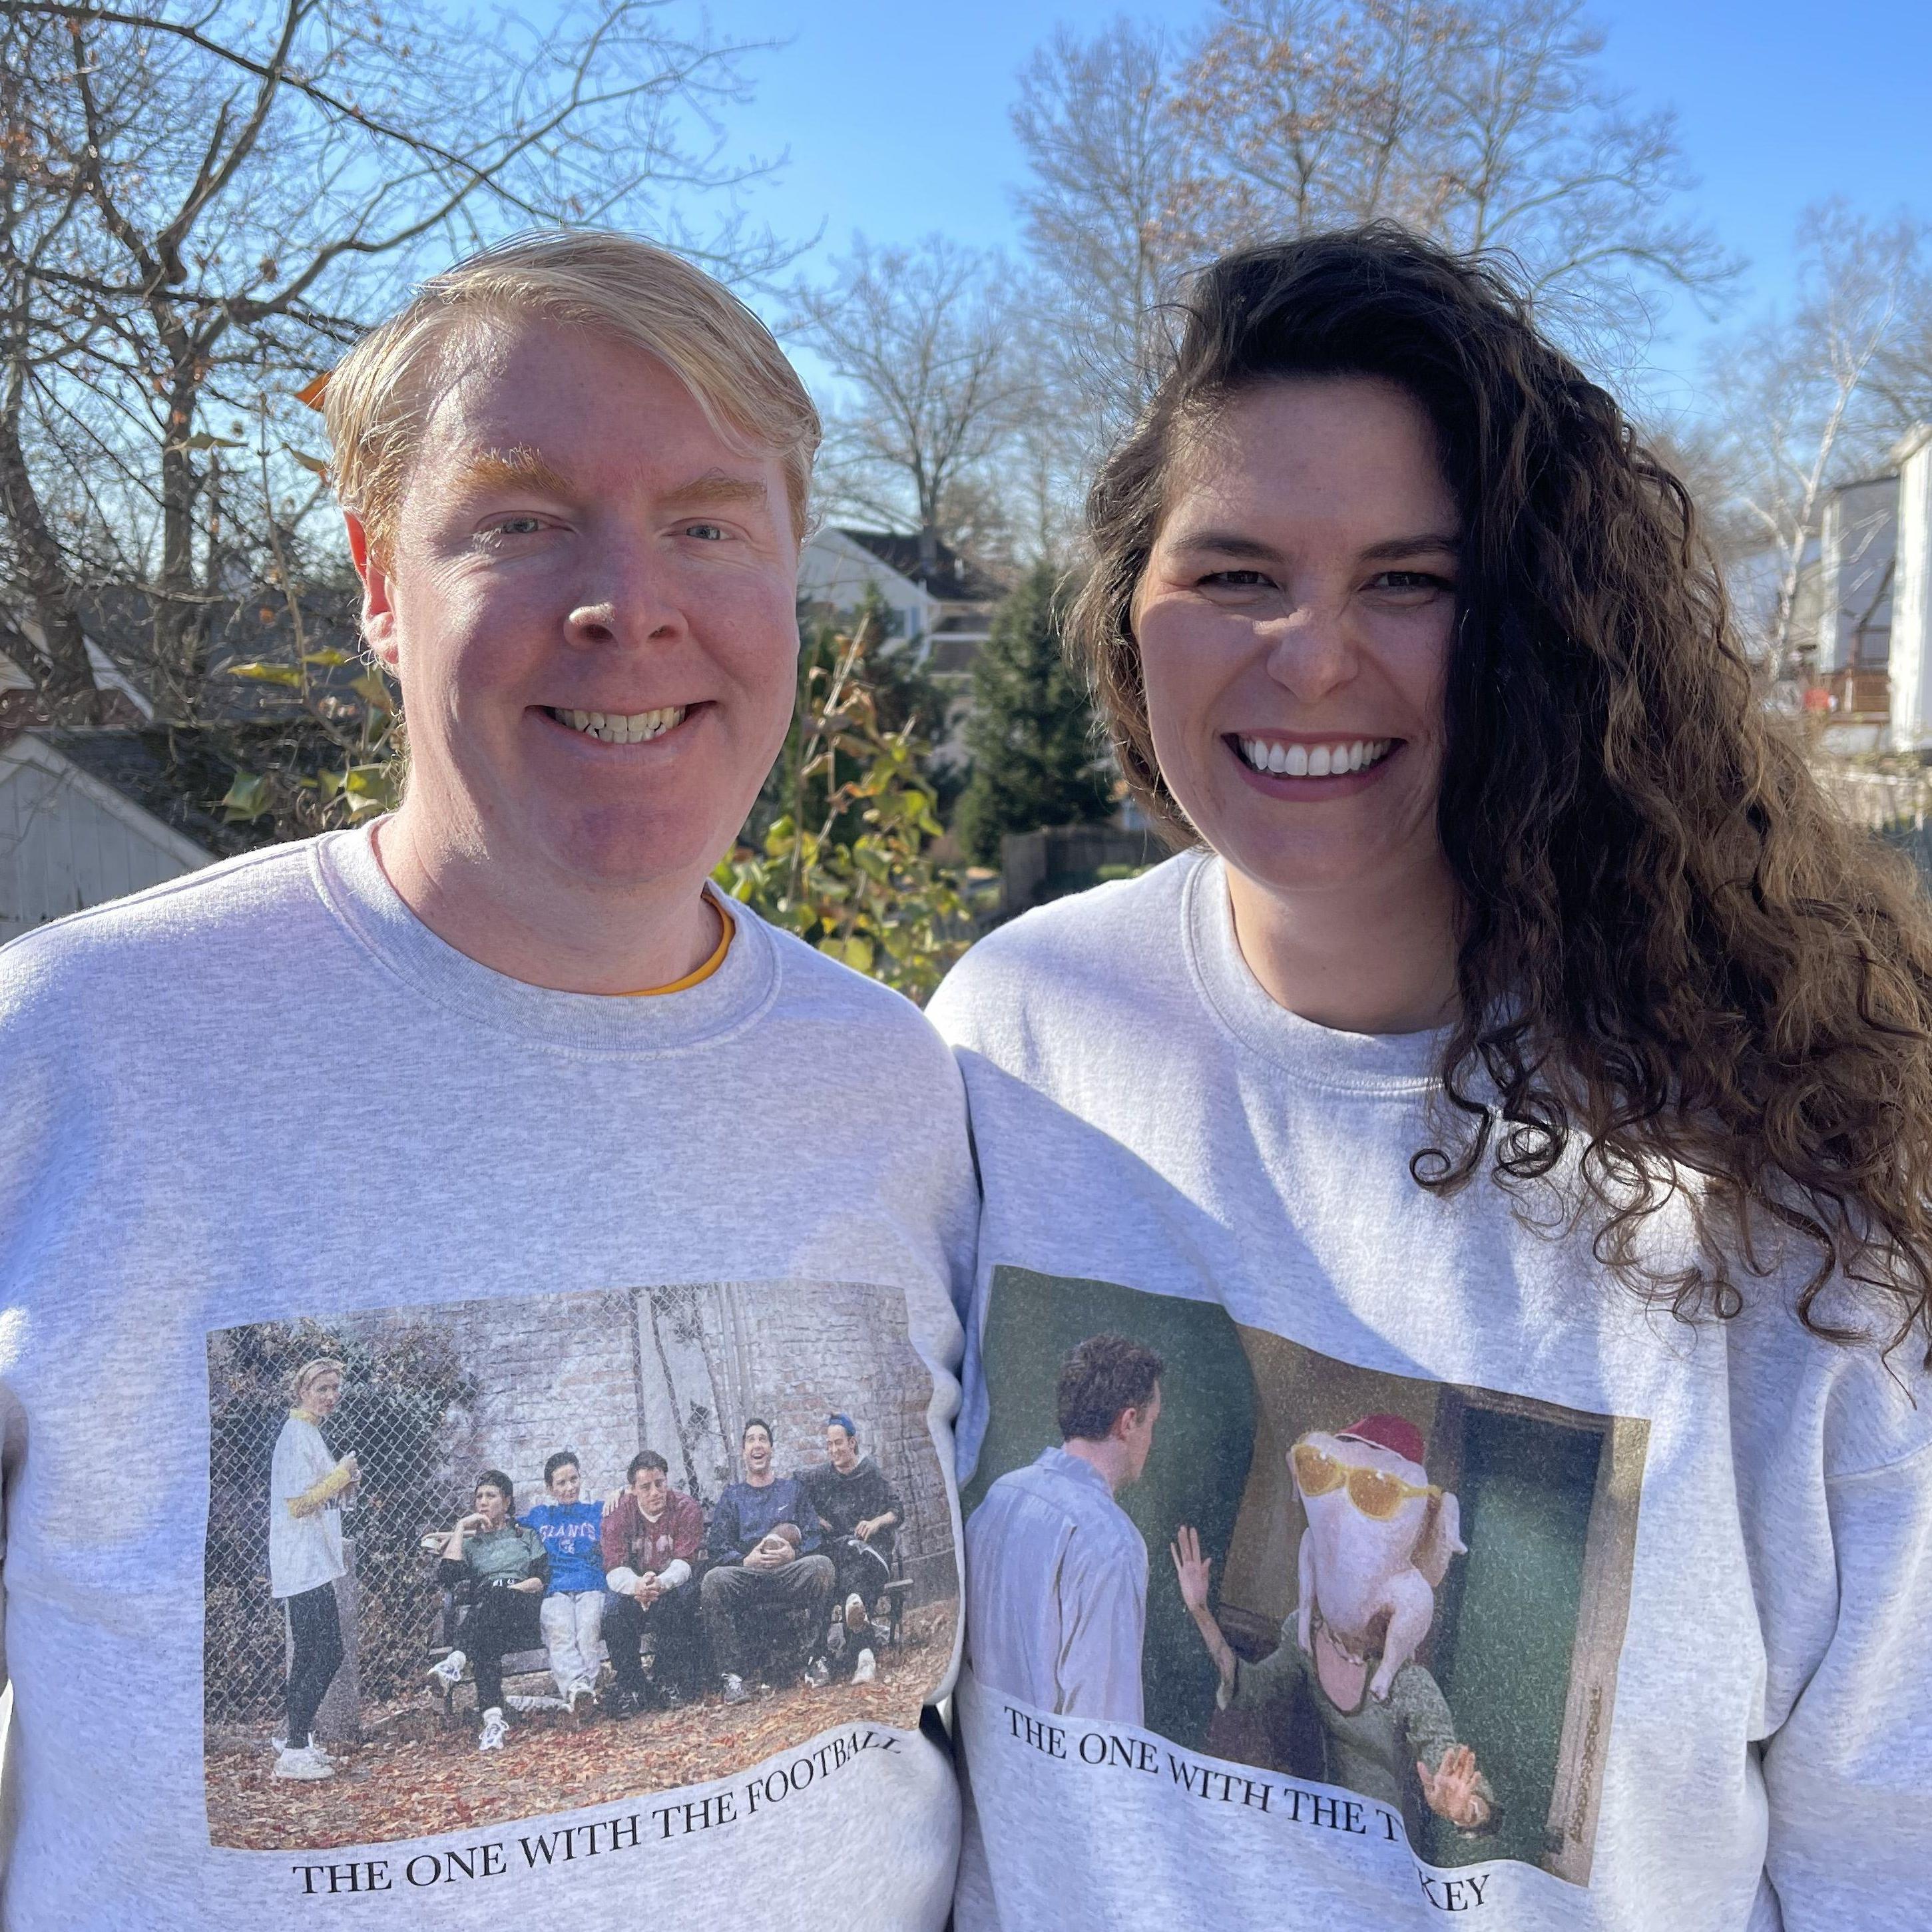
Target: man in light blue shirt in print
(1056, 1572)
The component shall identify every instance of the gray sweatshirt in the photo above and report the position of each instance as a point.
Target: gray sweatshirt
(262, 1115)
(1668, 1588)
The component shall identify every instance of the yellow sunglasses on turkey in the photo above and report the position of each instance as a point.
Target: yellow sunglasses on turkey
(1376, 1493)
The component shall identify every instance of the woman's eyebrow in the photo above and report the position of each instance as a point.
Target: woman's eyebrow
(1227, 543)
(1393, 547)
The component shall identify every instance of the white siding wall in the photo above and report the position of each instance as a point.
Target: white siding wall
(63, 847)
(1912, 598)
(832, 569)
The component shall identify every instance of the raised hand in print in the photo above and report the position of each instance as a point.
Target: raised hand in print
(1191, 1567)
(1450, 1790)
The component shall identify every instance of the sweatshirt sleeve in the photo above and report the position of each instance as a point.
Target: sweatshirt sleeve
(687, 1535)
(1849, 1772)
(805, 1515)
(725, 1533)
(313, 1498)
(612, 1538)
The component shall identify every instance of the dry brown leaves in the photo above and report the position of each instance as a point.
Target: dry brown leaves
(394, 1786)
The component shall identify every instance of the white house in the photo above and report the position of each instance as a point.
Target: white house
(835, 570)
(945, 606)
(70, 835)
(1874, 594)
(1911, 641)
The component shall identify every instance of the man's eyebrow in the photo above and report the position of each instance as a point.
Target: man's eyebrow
(520, 469)
(715, 487)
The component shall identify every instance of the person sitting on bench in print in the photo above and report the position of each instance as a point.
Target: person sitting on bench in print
(505, 1565)
(859, 1509)
(653, 1538)
(760, 1577)
(572, 1614)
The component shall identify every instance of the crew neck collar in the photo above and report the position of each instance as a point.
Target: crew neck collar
(353, 883)
(1391, 1064)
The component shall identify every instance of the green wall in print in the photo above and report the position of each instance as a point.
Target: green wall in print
(1196, 1471)
(1506, 1625)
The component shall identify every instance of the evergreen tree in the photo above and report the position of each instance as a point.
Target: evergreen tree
(1037, 755)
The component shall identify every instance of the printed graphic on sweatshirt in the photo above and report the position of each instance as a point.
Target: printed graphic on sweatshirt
(498, 1559)
(1414, 1591)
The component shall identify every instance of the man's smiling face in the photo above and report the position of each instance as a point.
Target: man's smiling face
(588, 596)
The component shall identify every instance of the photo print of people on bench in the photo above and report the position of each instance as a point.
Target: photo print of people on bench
(484, 1560)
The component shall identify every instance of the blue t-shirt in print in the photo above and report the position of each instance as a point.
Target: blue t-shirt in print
(572, 1533)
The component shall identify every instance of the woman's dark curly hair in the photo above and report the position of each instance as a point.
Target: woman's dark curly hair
(1672, 952)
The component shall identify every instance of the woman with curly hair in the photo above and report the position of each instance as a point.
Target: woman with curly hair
(1516, 1030)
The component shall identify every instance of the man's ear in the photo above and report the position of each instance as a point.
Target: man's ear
(379, 611)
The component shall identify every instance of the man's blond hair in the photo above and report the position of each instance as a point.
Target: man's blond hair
(377, 400)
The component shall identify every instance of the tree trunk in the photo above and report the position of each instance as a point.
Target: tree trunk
(65, 677)
(179, 619)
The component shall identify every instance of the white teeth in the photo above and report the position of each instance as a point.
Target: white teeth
(1316, 761)
(614, 727)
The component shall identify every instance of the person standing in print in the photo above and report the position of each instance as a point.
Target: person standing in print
(1056, 1572)
(308, 1483)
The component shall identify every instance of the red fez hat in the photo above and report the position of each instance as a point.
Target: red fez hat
(1388, 1431)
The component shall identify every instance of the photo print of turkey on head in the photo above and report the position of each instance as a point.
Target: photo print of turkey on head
(1414, 1590)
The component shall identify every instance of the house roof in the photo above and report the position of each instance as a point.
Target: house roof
(952, 580)
(242, 629)
(170, 775)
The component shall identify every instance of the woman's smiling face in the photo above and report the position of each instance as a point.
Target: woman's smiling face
(1295, 621)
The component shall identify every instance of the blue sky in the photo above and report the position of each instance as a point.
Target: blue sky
(895, 115)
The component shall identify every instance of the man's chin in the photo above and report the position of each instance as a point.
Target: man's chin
(621, 852)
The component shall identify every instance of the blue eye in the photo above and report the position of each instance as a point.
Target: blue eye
(710, 533)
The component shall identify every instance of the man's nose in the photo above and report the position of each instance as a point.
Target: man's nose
(629, 601)
(1310, 651)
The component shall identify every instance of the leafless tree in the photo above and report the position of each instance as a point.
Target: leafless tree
(1108, 162)
(199, 207)
(922, 341)
(1488, 123)
(1812, 396)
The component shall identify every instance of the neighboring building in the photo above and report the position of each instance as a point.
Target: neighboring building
(1872, 680)
(123, 701)
(835, 570)
(962, 599)
(945, 607)
(87, 816)
(1911, 641)
(1858, 542)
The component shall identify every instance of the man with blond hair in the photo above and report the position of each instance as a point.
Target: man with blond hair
(505, 1045)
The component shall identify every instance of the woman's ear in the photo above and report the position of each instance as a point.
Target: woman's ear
(379, 614)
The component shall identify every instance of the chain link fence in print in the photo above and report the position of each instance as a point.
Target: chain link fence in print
(401, 1414)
